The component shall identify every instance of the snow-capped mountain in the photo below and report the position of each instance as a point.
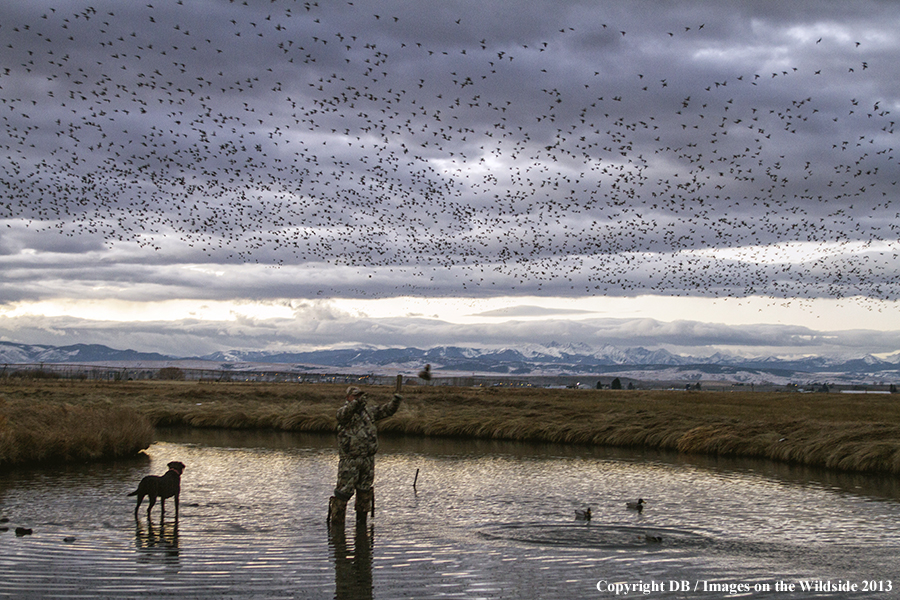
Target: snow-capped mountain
(530, 360)
(11, 353)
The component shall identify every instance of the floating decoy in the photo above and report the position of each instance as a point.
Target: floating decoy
(583, 515)
(638, 506)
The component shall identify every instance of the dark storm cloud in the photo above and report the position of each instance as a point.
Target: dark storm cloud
(446, 149)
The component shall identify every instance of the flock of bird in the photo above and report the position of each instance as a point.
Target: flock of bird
(593, 156)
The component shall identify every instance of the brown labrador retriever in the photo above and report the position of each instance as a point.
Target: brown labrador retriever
(162, 487)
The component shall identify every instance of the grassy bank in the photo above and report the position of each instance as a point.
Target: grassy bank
(53, 430)
(848, 432)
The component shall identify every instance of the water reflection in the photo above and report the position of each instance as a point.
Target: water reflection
(157, 542)
(869, 484)
(485, 519)
(352, 563)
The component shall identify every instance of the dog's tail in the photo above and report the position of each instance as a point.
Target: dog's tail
(134, 493)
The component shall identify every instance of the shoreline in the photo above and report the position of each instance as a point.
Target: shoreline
(853, 433)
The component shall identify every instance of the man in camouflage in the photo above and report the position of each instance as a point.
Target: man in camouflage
(357, 444)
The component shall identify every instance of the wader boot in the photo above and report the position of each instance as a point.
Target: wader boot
(365, 503)
(337, 509)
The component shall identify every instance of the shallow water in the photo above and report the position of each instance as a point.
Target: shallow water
(485, 520)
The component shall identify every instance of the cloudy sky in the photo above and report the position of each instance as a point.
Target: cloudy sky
(185, 176)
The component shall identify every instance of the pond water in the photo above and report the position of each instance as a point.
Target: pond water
(484, 520)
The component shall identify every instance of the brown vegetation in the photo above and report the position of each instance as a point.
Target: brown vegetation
(849, 432)
(49, 429)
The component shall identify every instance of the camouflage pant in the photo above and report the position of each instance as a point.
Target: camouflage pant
(357, 473)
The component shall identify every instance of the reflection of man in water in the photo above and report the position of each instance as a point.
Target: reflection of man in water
(357, 444)
(352, 564)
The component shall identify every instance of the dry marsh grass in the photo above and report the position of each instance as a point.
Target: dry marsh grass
(50, 431)
(840, 431)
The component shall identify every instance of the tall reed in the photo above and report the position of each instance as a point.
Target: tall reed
(37, 432)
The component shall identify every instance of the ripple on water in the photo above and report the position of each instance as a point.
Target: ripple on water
(588, 535)
(484, 522)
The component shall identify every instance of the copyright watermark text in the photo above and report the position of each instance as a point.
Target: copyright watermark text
(703, 586)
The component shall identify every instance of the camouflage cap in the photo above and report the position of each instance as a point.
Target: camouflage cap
(353, 391)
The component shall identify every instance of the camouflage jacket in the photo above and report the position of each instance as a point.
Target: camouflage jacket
(357, 433)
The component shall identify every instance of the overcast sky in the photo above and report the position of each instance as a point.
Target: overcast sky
(188, 176)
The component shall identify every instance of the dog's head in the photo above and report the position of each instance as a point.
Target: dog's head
(176, 466)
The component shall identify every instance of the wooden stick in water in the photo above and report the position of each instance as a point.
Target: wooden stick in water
(415, 479)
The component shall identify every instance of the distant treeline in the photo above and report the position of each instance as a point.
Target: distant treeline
(105, 373)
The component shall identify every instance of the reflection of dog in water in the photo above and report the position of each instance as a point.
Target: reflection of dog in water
(162, 487)
(158, 542)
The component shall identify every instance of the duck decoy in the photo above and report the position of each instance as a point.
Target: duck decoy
(638, 506)
(583, 515)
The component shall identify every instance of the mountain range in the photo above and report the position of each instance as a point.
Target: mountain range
(535, 360)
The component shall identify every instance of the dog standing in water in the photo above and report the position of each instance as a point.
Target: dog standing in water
(162, 487)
